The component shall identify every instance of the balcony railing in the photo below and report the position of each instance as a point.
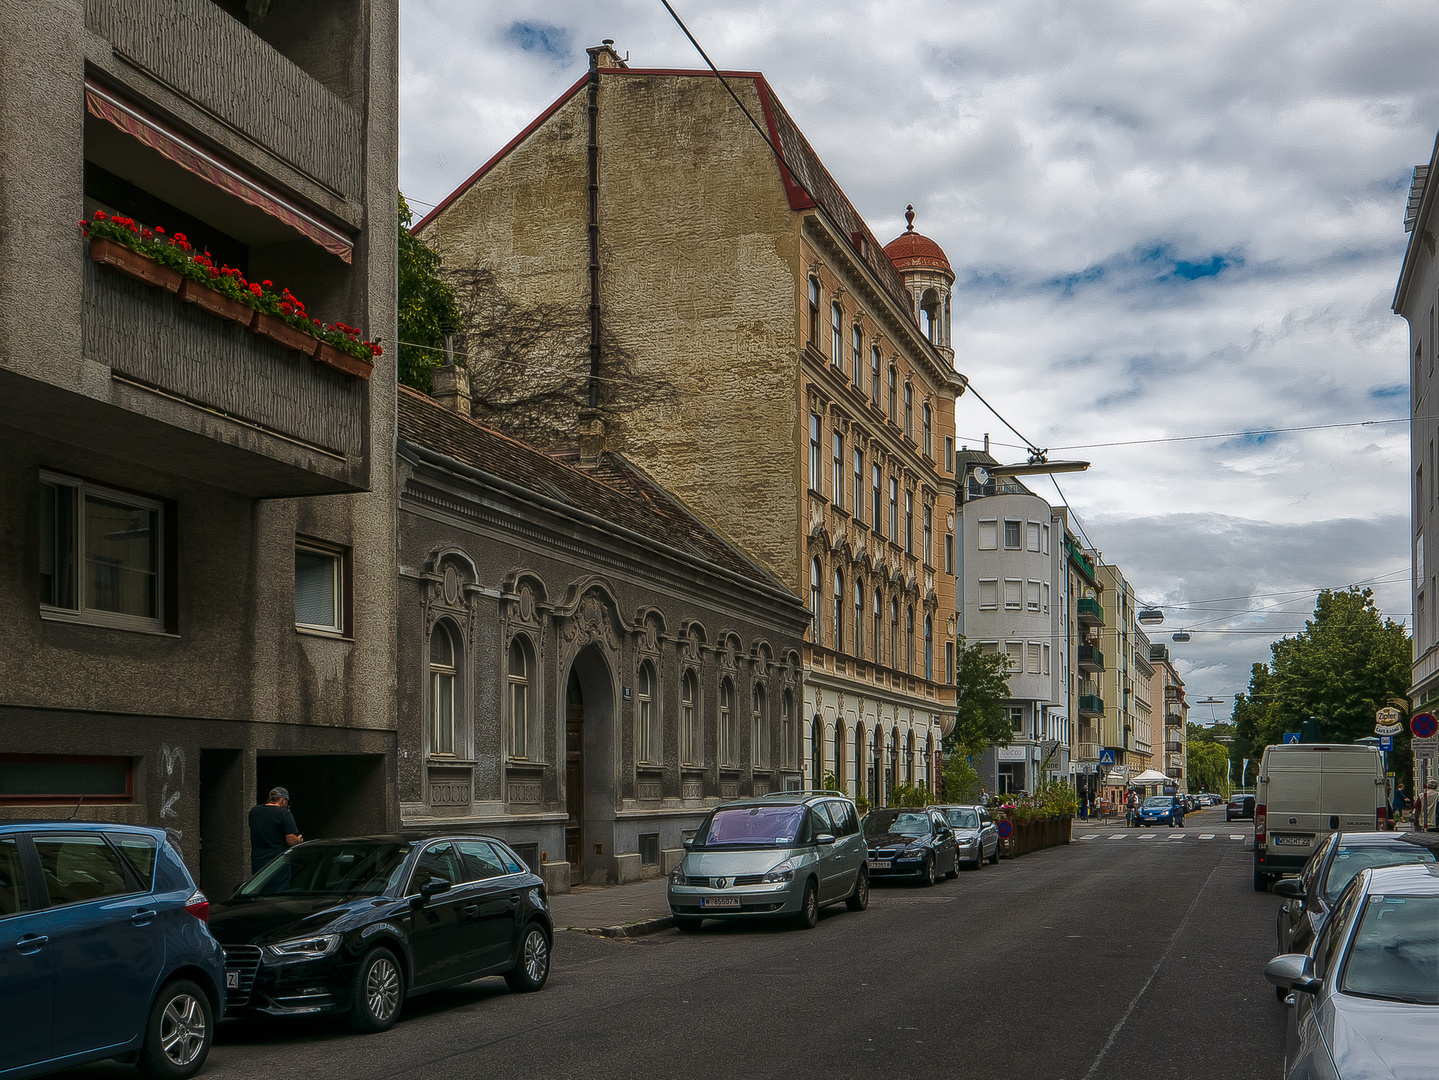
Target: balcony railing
(1091, 705)
(1173, 719)
(1174, 747)
(1089, 611)
(1086, 751)
(1175, 773)
(1090, 658)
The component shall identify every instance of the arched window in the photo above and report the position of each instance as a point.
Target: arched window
(894, 633)
(519, 680)
(893, 392)
(856, 348)
(839, 754)
(814, 570)
(928, 760)
(443, 669)
(894, 510)
(874, 366)
(859, 785)
(926, 416)
(927, 551)
(928, 647)
(836, 335)
(814, 311)
(876, 783)
(857, 646)
(909, 757)
(909, 522)
(876, 646)
(691, 742)
(759, 730)
(728, 732)
(909, 640)
(648, 738)
(909, 410)
(931, 316)
(816, 754)
(838, 634)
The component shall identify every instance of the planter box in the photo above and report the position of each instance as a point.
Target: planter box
(217, 304)
(282, 333)
(133, 264)
(340, 360)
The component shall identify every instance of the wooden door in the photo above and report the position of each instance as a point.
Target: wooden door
(575, 788)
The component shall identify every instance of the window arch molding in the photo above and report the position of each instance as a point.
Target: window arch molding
(649, 722)
(444, 693)
(521, 685)
(691, 719)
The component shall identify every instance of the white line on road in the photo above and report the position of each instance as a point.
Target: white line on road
(1206, 836)
(1236, 836)
(1177, 835)
(1119, 836)
(1145, 836)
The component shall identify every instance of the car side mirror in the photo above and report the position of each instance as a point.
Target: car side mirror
(688, 845)
(824, 838)
(1292, 972)
(1289, 888)
(431, 887)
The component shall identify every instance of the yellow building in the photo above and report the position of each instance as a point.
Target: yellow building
(812, 413)
(1126, 727)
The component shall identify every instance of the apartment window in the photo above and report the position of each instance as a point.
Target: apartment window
(836, 465)
(925, 415)
(1044, 538)
(989, 648)
(856, 348)
(949, 554)
(786, 730)
(949, 453)
(928, 648)
(876, 518)
(1034, 658)
(728, 735)
(836, 335)
(759, 732)
(1014, 653)
(319, 588)
(894, 633)
(1013, 594)
(814, 311)
(927, 536)
(1046, 660)
(949, 661)
(691, 740)
(909, 522)
(1033, 530)
(37, 779)
(814, 467)
(1044, 596)
(101, 553)
(909, 410)
(814, 570)
(989, 594)
(648, 735)
(877, 639)
(894, 509)
(858, 493)
(874, 366)
(893, 392)
(989, 535)
(858, 645)
(909, 640)
(838, 622)
(1033, 602)
(1012, 535)
(519, 679)
(1016, 717)
(443, 668)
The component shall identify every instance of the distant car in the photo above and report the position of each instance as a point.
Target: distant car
(916, 844)
(1365, 995)
(106, 951)
(1239, 806)
(1161, 810)
(781, 856)
(975, 831)
(356, 926)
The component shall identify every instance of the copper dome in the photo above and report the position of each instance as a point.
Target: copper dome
(915, 251)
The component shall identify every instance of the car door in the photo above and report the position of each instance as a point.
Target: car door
(946, 850)
(491, 905)
(988, 835)
(108, 942)
(437, 933)
(827, 854)
(27, 990)
(851, 850)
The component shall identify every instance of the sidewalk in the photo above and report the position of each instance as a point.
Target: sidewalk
(629, 910)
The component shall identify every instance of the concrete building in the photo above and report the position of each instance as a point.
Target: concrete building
(585, 668)
(1167, 691)
(1082, 617)
(1127, 725)
(814, 383)
(196, 575)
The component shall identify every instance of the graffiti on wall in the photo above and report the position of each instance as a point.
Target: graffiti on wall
(171, 766)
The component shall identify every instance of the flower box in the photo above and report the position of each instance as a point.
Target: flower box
(282, 333)
(217, 304)
(327, 354)
(133, 264)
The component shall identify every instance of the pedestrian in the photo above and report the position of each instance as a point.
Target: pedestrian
(1426, 806)
(983, 795)
(272, 829)
(1399, 802)
(1132, 804)
(1083, 804)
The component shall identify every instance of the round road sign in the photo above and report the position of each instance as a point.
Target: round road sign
(1424, 726)
(1005, 828)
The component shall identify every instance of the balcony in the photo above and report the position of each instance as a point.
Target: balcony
(214, 401)
(1173, 719)
(1174, 747)
(1090, 659)
(1089, 612)
(1173, 694)
(1175, 773)
(1086, 751)
(1091, 705)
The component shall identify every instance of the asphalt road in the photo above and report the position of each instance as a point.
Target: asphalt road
(1132, 959)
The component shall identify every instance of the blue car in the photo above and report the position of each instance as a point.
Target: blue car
(1161, 810)
(104, 951)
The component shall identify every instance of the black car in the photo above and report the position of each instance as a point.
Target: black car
(911, 843)
(1239, 806)
(355, 926)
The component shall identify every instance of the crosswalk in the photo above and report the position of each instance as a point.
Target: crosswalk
(1147, 834)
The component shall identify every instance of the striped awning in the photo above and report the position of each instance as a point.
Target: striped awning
(134, 121)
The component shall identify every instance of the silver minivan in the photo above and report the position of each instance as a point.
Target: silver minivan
(778, 856)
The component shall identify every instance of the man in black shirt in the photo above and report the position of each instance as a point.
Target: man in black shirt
(272, 829)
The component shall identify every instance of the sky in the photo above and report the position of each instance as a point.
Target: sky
(1166, 220)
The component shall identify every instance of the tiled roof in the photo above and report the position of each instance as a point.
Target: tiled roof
(615, 490)
(915, 250)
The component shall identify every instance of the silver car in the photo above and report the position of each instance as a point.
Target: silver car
(778, 856)
(1363, 1000)
(976, 832)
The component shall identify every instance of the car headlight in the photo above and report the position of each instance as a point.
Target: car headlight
(677, 876)
(306, 948)
(783, 872)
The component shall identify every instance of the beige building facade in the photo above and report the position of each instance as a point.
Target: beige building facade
(1167, 692)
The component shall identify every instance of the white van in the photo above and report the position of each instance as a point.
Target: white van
(1307, 791)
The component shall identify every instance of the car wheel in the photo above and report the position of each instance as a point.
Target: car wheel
(687, 923)
(808, 916)
(859, 899)
(954, 870)
(994, 859)
(377, 993)
(979, 857)
(926, 877)
(533, 968)
(177, 1033)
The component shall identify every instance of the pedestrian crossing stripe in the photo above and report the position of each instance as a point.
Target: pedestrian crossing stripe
(1155, 836)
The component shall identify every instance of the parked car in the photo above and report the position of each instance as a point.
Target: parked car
(975, 832)
(1307, 791)
(1239, 806)
(915, 844)
(357, 926)
(105, 951)
(1364, 997)
(778, 856)
(1161, 810)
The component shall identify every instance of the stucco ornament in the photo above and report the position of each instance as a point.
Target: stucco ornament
(452, 586)
(527, 603)
(591, 624)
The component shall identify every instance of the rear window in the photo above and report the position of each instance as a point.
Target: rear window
(1349, 860)
(754, 826)
(139, 851)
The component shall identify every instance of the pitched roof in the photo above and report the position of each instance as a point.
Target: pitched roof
(616, 491)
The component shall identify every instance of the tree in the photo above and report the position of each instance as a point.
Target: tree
(1206, 766)
(426, 306)
(981, 690)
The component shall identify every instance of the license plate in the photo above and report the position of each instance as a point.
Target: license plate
(232, 980)
(1290, 841)
(880, 864)
(719, 901)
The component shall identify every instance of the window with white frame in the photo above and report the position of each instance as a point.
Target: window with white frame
(521, 678)
(814, 467)
(1013, 594)
(836, 342)
(728, 732)
(836, 464)
(1032, 529)
(319, 588)
(1014, 652)
(1044, 539)
(856, 342)
(1012, 537)
(648, 737)
(759, 729)
(1044, 596)
(1046, 659)
(1033, 602)
(444, 654)
(989, 535)
(988, 594)
(691, 736)
(1033, 658)
(1016, 717)
(101, 555)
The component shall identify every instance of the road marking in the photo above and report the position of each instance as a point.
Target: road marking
(1236, 836)
(1119, 836)
(1090, 836)
(1206, 836)
(1177, 835)
(1146, 836)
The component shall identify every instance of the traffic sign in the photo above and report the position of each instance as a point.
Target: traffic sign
(1005, 828)
(1291, 737)
(1424, 726)
(1386, 743)
(1106, 757)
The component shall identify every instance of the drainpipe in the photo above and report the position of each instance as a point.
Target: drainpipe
(594, 222)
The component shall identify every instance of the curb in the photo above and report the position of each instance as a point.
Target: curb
(628, 930)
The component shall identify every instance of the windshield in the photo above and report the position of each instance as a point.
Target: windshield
(1157, 800)
(962, 819)
(906, 823)
(330, 869)
(1348, 861)
(1395, 952)
(755, 826)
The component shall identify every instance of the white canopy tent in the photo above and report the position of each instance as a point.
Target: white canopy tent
(1150, 777)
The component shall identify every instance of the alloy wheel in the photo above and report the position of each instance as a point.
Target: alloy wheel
(382, 989)
(537, 956)
(182, 1030)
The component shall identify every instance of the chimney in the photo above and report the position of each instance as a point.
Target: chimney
(604, 55)
(592, 437)
(986, 442)
(450, 386)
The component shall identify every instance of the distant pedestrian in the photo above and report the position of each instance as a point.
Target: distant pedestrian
(272, 829)
(1132, 804)
(1083, 805)
(1399, 801)
(1426, 806)
(983, 796)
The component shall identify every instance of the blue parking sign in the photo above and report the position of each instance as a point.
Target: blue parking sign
(1291, 737)
(1386, 743)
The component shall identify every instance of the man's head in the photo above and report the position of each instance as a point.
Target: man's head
(278, 797)
(1432, 784)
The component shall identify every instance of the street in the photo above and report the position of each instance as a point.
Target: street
(1136, 953)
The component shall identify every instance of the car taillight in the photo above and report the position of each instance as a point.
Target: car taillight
(1381, 815)
(1259, 815)
(199, 906)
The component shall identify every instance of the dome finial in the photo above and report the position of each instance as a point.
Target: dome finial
(909, 217)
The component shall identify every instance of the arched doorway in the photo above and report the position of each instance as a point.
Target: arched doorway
(590, 749)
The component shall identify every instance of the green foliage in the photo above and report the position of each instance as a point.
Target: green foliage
(910, 795)
(981, 690)
(1055, 798)
(426, 306)
(1206, 765)
(961, 781)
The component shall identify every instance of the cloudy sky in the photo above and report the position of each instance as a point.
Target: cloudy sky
(1167, 220)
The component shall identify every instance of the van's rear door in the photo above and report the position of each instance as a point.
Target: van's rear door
(1294, 804)
(1350, 789)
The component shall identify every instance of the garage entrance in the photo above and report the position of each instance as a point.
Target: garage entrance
(330, 794)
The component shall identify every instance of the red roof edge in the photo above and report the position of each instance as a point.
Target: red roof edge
(487, 166)
(798, 198)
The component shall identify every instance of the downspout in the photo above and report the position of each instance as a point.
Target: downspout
(594, 223)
